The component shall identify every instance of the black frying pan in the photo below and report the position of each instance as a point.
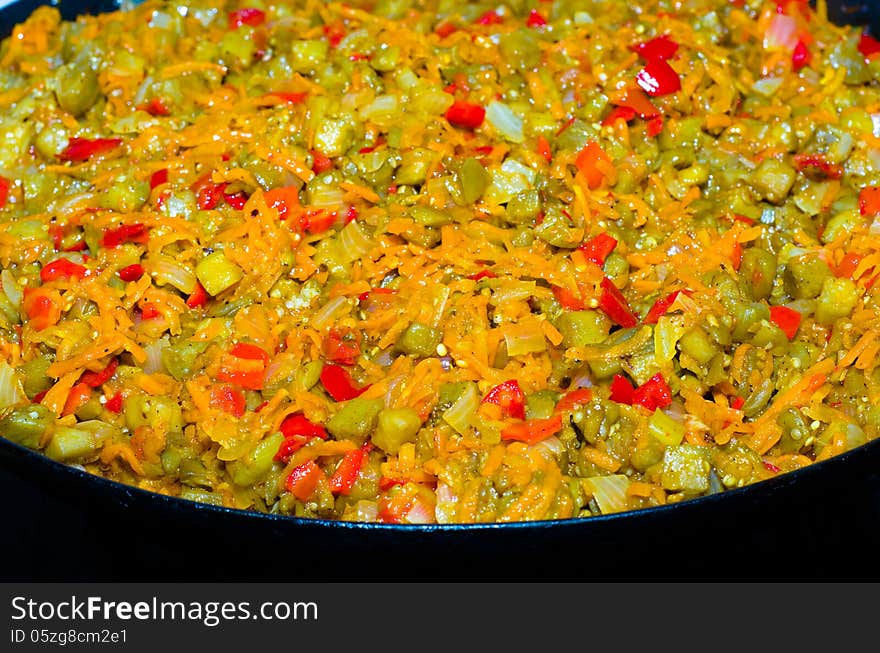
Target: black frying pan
(61, 523)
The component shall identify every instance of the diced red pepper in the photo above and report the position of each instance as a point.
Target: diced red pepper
(535, 19)
(869, 200)
(83, 149)
(805, 162)
(299, 424)
(158, 178)
(41, 309)
(228, 399)
(386, 483)
(208, 193)
(466, 115)
(490, 18)
(444, 29)
(131, 272)
(150, 311)
(619, 113)
(786, 319)
(348, 470)
(621, 390)
(801, 56)
(97, 379)
(5, 184)
(342, 346)
(653, 393)
(658, 48)
(126, 233)
(236, 200)
(199, 297)
(660, 307)
(288, 97)
(658, 78)
(635, 99)
(542, 146)
(316, 221)
(302, 481)
(283, 200)
(509, 397)
(594, 164)
(351, 214)
(597, 249)
(483, 274)
(334, 32)
(114, 403)
(156, 107)
(289, 447)
(868, 46)
(246, 16)
(62, 268)
(571, 400)
(655, 126)
(320, 162)
(338, 383)
(79, 396)
(614, 305)
(568, 299)
(532, 431)
(771, 467)
(247, 376)
(737, 402)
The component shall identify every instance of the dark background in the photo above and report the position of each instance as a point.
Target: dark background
(58, 524)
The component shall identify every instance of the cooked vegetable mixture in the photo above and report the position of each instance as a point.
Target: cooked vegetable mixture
(434, 261)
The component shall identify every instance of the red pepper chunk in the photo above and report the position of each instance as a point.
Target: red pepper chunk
(542, 146)
(597, 249)
(614, 305)
(199, 297)
(5, 184)
(41, 309)
(247, 375)
(236, 200)
(339, 384)
(97, 379)
(653, 393)
(246, 16)
(594, 164)
(127, 233)
(660, 307)
(482, 274)
(490, 18)
(568, 299)
(83, 149)
(114, 403)
(348, 470)
(619, 113)
(465, 115)
(158, 178)
(532, 431)
(848, 265)
(444, 29)
(62, 268)
(320, 162)
(342, 346)
(869, 200)
(658, 48)
(571, 400)
(303, 480)
(131, 272)
(288, 97)
(298, 424)
(78, 396)
(737, 402)
(658, 78)
(786, 319)
(208, 194)
(800, 57)
(509, 397)
(156, 107)
(868, 46)
(636, 100)
(621, 390)
(535, 19)
(228, 399)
